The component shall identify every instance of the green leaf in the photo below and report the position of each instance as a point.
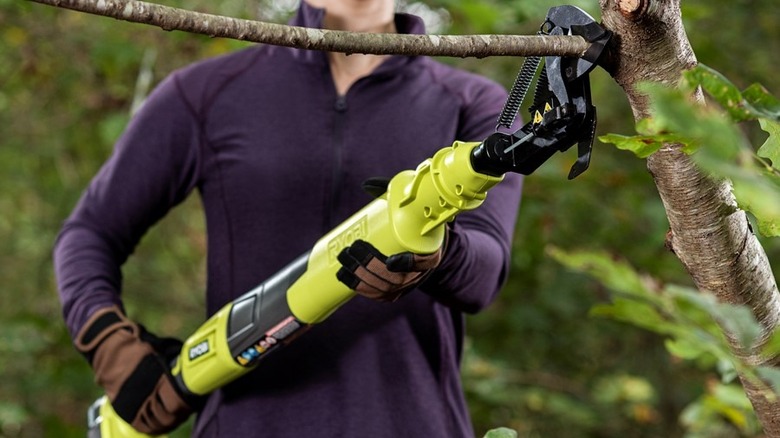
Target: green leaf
(764, 103)
(739, 321)
(771, 147)
(724, 152)
(649, 126)
(732, 396)
(761, 197)
(616, 275)
(686, 348)
(501, 432)
(641, 145)
(635, 312)
(674, 112)
(727, 370)
(754, 102)
(645, 145)
(721, 401)
(721, 89)
(697, 312)
(771, 376)
(772, 346)
(706, 302)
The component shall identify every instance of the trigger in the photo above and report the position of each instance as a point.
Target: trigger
(376, 186)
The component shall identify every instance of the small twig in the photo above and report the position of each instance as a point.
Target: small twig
(463, 46)
(144, 80)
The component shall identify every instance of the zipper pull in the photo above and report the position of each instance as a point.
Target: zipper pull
(341, 104)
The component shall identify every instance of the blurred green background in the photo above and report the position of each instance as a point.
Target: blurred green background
(536, 361)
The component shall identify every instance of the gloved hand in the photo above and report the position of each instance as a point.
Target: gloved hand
(132, 366)
(374, 275)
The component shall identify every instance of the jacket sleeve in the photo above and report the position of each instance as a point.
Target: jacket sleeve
(154, 166)
(476, 261)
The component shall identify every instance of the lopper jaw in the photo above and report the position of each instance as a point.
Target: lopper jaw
(562, 113)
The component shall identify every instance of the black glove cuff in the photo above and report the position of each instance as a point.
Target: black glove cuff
(98, 327)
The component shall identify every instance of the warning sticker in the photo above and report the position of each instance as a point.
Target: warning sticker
(269, 341)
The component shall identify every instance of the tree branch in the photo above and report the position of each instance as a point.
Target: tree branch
(463, 46)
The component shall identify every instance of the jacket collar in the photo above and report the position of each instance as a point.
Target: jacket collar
(312, 17)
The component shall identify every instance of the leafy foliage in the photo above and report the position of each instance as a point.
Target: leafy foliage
(717, 145)
(690, 323)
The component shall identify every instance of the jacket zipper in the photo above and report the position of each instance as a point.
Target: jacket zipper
(340, 108)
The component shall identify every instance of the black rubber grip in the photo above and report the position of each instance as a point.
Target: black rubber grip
(259, 310)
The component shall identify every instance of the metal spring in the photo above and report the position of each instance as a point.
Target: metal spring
(518, 91)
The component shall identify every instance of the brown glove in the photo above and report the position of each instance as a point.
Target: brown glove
(374, 275)
(132, 366)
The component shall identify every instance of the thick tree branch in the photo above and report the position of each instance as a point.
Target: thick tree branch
(169, 18)
(709, 233)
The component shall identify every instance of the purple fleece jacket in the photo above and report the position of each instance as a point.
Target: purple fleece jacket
(278, 159)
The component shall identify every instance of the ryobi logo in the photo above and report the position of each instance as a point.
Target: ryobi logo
(358, 230)
(199, 349)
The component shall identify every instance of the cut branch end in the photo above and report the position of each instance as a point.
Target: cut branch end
(633, 9)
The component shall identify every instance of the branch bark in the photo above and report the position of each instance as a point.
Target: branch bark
(463, 46)
(709, 234)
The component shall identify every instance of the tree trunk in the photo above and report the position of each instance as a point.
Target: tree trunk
(709, 234)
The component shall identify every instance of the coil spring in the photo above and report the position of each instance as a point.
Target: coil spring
(518, 91)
